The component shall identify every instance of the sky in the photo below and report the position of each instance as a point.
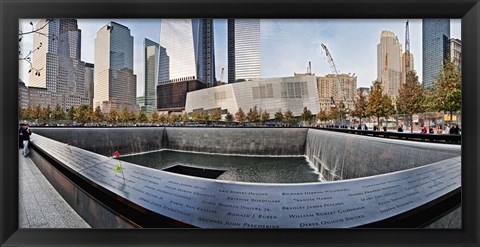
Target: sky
(286, 45)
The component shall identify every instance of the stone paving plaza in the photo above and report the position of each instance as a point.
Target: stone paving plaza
(40, 205)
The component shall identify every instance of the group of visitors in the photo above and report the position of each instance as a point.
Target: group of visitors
(364, 127)
(453, 130)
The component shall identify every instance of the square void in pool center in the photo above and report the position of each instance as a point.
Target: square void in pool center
(255, 169)
(195, 171)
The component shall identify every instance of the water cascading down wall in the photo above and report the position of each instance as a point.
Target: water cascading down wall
(375, 182)
(336, 155)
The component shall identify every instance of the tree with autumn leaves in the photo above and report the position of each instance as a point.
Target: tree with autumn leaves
(154, 117)
(338, 112)
(379, 105)
(288, 117)
(448, 89)
(98, 115)
(253, 116)
(141, 117)
(445, 96)
(264, 116)
(322, 116)
(411, 97)
(58, 113)
(216, 115)
(360, 110)
(229, 117)
(278, 117)
(306, 115)
(240, 115)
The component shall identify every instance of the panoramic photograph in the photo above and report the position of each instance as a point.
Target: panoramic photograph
(240, 123)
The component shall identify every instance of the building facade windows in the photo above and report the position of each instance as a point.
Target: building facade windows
(58, 57)
(187, 51)
(151, 56)
(270, 94)
(389, 63)
(243, 42)
(328, 87)
(114, 81)
(456, 52)
(435, 48)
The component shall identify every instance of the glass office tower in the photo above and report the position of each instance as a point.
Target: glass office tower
(151, 50)
(243, 49)
(436, 38)
(115, 84)
(204, 50)
(186, 51)
(89, 68)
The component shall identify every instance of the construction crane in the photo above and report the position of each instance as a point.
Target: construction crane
(334, 71)
(407, 49)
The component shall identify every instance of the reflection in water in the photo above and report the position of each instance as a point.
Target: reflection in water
(258, 169)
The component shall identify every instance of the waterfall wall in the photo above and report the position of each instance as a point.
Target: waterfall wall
(336, 155)
(340, 156)
(249, 141)
(106, 141)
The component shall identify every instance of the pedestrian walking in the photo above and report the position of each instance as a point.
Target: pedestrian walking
(400, 128)
(26, 132)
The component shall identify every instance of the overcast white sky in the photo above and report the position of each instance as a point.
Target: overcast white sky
(286, 45)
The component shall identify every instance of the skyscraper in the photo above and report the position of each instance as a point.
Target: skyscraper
(186, 51)
(151, 75)
(243, 49)
(57, 61)
(456, 52)
(205, 51)
(114, 82)
(89, 68)
(436, 39)
(389, 63)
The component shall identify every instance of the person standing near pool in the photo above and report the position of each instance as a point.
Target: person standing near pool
(26, 132)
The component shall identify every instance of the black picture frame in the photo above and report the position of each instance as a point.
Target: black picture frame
(12, 10)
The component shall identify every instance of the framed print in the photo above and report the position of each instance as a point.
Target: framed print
(239, 123)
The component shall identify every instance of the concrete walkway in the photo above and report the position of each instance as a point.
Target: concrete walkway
(40, 205)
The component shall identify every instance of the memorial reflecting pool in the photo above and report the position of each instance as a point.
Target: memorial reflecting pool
(257, 169)
(392, 183)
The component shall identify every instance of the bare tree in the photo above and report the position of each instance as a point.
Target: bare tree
(27, 56)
